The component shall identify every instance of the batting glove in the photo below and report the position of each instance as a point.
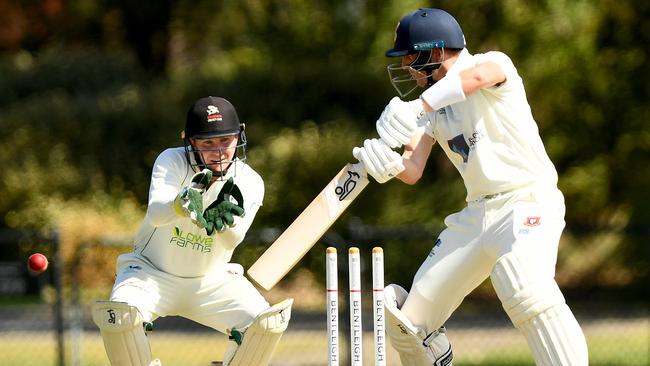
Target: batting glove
(221, 214)
(380, 161)
(189, 201)
(398, 121)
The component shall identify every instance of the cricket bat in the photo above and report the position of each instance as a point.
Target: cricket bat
(309, 226)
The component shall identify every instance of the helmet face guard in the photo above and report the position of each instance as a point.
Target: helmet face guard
(196, 157)
(406, 78)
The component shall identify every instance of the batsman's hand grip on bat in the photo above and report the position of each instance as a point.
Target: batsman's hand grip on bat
(189, 201)
(399, 121)
(380, 161)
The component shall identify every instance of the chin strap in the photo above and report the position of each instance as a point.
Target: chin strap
(430, 66)
(430, 80)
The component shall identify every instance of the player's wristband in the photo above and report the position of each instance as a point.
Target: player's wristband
(446, 91)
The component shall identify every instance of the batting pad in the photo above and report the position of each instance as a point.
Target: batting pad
(414, 346)
(120, 325)
(261, 338)
(537, 308)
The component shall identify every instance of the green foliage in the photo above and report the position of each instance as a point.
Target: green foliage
(83, 115)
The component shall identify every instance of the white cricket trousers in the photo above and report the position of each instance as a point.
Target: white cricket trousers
(528, 221)
(221, 300)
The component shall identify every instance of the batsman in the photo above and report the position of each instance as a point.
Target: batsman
(202, 199)
(476, 107)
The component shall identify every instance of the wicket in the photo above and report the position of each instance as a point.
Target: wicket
(356, 329)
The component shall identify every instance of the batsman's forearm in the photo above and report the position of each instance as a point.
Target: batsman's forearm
(410, 175)
(415, 156)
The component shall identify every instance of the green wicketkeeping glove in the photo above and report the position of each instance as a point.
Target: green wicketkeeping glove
(189, 201)
(220, 214)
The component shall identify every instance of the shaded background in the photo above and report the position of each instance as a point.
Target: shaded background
(91, 91)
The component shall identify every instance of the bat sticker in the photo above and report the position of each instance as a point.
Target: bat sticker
(348, 186)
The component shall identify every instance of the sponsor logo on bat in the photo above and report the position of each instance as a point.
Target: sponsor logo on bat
(111, 316)
(344, 190)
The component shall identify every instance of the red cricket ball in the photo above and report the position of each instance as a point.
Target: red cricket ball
(37, 263)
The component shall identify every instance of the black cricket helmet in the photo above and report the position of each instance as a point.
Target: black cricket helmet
(211, 117)
(419, 33)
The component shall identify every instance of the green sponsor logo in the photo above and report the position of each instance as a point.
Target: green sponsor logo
(192, 241)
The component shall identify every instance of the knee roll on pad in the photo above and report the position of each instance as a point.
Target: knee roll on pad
(537, 308)
(258, 342)
(120, 325)
(414, 346)
(523, 292)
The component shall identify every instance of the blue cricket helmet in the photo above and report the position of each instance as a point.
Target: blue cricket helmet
(425, 29)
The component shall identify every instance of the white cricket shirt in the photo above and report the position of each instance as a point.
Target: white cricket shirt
(491, 137)
(173, 243)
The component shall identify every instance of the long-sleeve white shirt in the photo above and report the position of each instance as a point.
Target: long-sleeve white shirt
(491, 137)
(173, 243)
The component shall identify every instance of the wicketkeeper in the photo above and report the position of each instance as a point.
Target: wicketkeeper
(202, 200)
(475, 106)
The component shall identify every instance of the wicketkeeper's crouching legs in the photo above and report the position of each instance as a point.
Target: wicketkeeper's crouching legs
(255, 345)
(121, 327)
(537, 308)
(414, 345)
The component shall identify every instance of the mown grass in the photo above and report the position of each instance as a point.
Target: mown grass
(613, 342)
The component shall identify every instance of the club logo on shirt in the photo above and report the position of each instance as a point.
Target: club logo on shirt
(533, 221)
(195, 242)
(476, 137)
(459, 146)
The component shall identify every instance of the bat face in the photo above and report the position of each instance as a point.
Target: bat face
(309, 227)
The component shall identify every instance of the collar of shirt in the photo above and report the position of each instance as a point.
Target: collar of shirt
(464, 61)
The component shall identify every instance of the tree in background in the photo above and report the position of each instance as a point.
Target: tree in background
(90, 91)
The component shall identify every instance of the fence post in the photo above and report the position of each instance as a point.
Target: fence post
(76, 311)
(57, 269)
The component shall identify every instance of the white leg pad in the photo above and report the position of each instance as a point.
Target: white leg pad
(537, 308)
(120, 325)
(258, 342)
(414, 346)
